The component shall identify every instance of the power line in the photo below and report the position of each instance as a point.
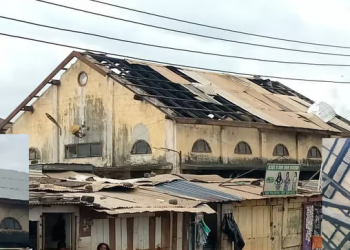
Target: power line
(172, 64)
(220, 28)
(172, 48)
(192, 34)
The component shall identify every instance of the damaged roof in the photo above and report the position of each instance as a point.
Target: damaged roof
(158, 193)
(186, 93)
(200, 97)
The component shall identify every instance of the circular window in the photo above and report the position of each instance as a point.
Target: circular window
(82, 78)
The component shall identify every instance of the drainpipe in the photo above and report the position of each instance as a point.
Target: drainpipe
(178, 152)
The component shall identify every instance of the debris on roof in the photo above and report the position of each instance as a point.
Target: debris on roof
(184, 93)
(167, 192)
(202, 178)
(187, 94)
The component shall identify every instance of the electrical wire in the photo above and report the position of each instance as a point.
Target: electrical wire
(171, 48)
(220, 28)
(190, 33)
(171, 64)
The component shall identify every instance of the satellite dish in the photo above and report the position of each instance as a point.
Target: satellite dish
(322, 110)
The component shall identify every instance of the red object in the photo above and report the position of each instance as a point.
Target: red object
(316, 242)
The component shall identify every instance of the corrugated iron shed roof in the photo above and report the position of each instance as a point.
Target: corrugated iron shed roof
(203, 208)
(190, 189)
(14, 185)
(36, 173)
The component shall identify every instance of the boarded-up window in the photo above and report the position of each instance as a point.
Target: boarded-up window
(9, 223)
(34, 154)
(243, 148)
(314, 152)
(280, 150)
(83, 150)
(201, 146)
(141, 147)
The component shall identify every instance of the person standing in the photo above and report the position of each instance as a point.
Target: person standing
(286, 182)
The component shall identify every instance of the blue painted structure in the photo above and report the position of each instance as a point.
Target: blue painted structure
(335, 189)
(190, 189)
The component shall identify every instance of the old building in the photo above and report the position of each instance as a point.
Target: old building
(136, 117)
(142, 213)
(14, 209)
(6, 127)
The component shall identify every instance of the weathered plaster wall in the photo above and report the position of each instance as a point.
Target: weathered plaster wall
(137, 120)
(223, 141)
(84, 106)
(18, 212)
(305, 142)
(38, 126)
(107, 112)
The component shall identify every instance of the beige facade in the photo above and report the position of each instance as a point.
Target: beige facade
(113, 116)
(13, 211)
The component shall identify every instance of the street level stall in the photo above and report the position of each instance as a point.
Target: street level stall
(266, 223)
(83, 210)
(165, 212)
(13, 209)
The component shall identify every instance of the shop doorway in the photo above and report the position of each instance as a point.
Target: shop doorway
(33, 235)
(58, 230)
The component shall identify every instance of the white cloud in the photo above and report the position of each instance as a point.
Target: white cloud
(25, 64)
(14, 152)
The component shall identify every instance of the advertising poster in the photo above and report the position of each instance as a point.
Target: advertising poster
(281, 179)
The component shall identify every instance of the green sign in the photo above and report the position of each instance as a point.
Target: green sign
(281, 179)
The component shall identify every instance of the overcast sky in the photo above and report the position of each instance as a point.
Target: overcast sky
(14, 152)
(25, 64)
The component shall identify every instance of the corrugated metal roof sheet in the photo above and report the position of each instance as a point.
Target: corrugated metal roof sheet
(36, 173)
(203, 208)
(203, 178)
(14, 185)
(189, 189)
(259, 99)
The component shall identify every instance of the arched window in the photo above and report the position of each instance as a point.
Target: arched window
(280, 150)
(34, 154)
(10, 223)
(201, 146)
(141, 147)
(243, 148)
(314, 152)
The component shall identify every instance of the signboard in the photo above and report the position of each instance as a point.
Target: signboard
(281, 179)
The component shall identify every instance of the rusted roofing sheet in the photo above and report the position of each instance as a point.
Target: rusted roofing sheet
(170, 75)
(36, 173)
(143, 197)
(203, 208)
(202, 178)
(43, 198)
(55, 188)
